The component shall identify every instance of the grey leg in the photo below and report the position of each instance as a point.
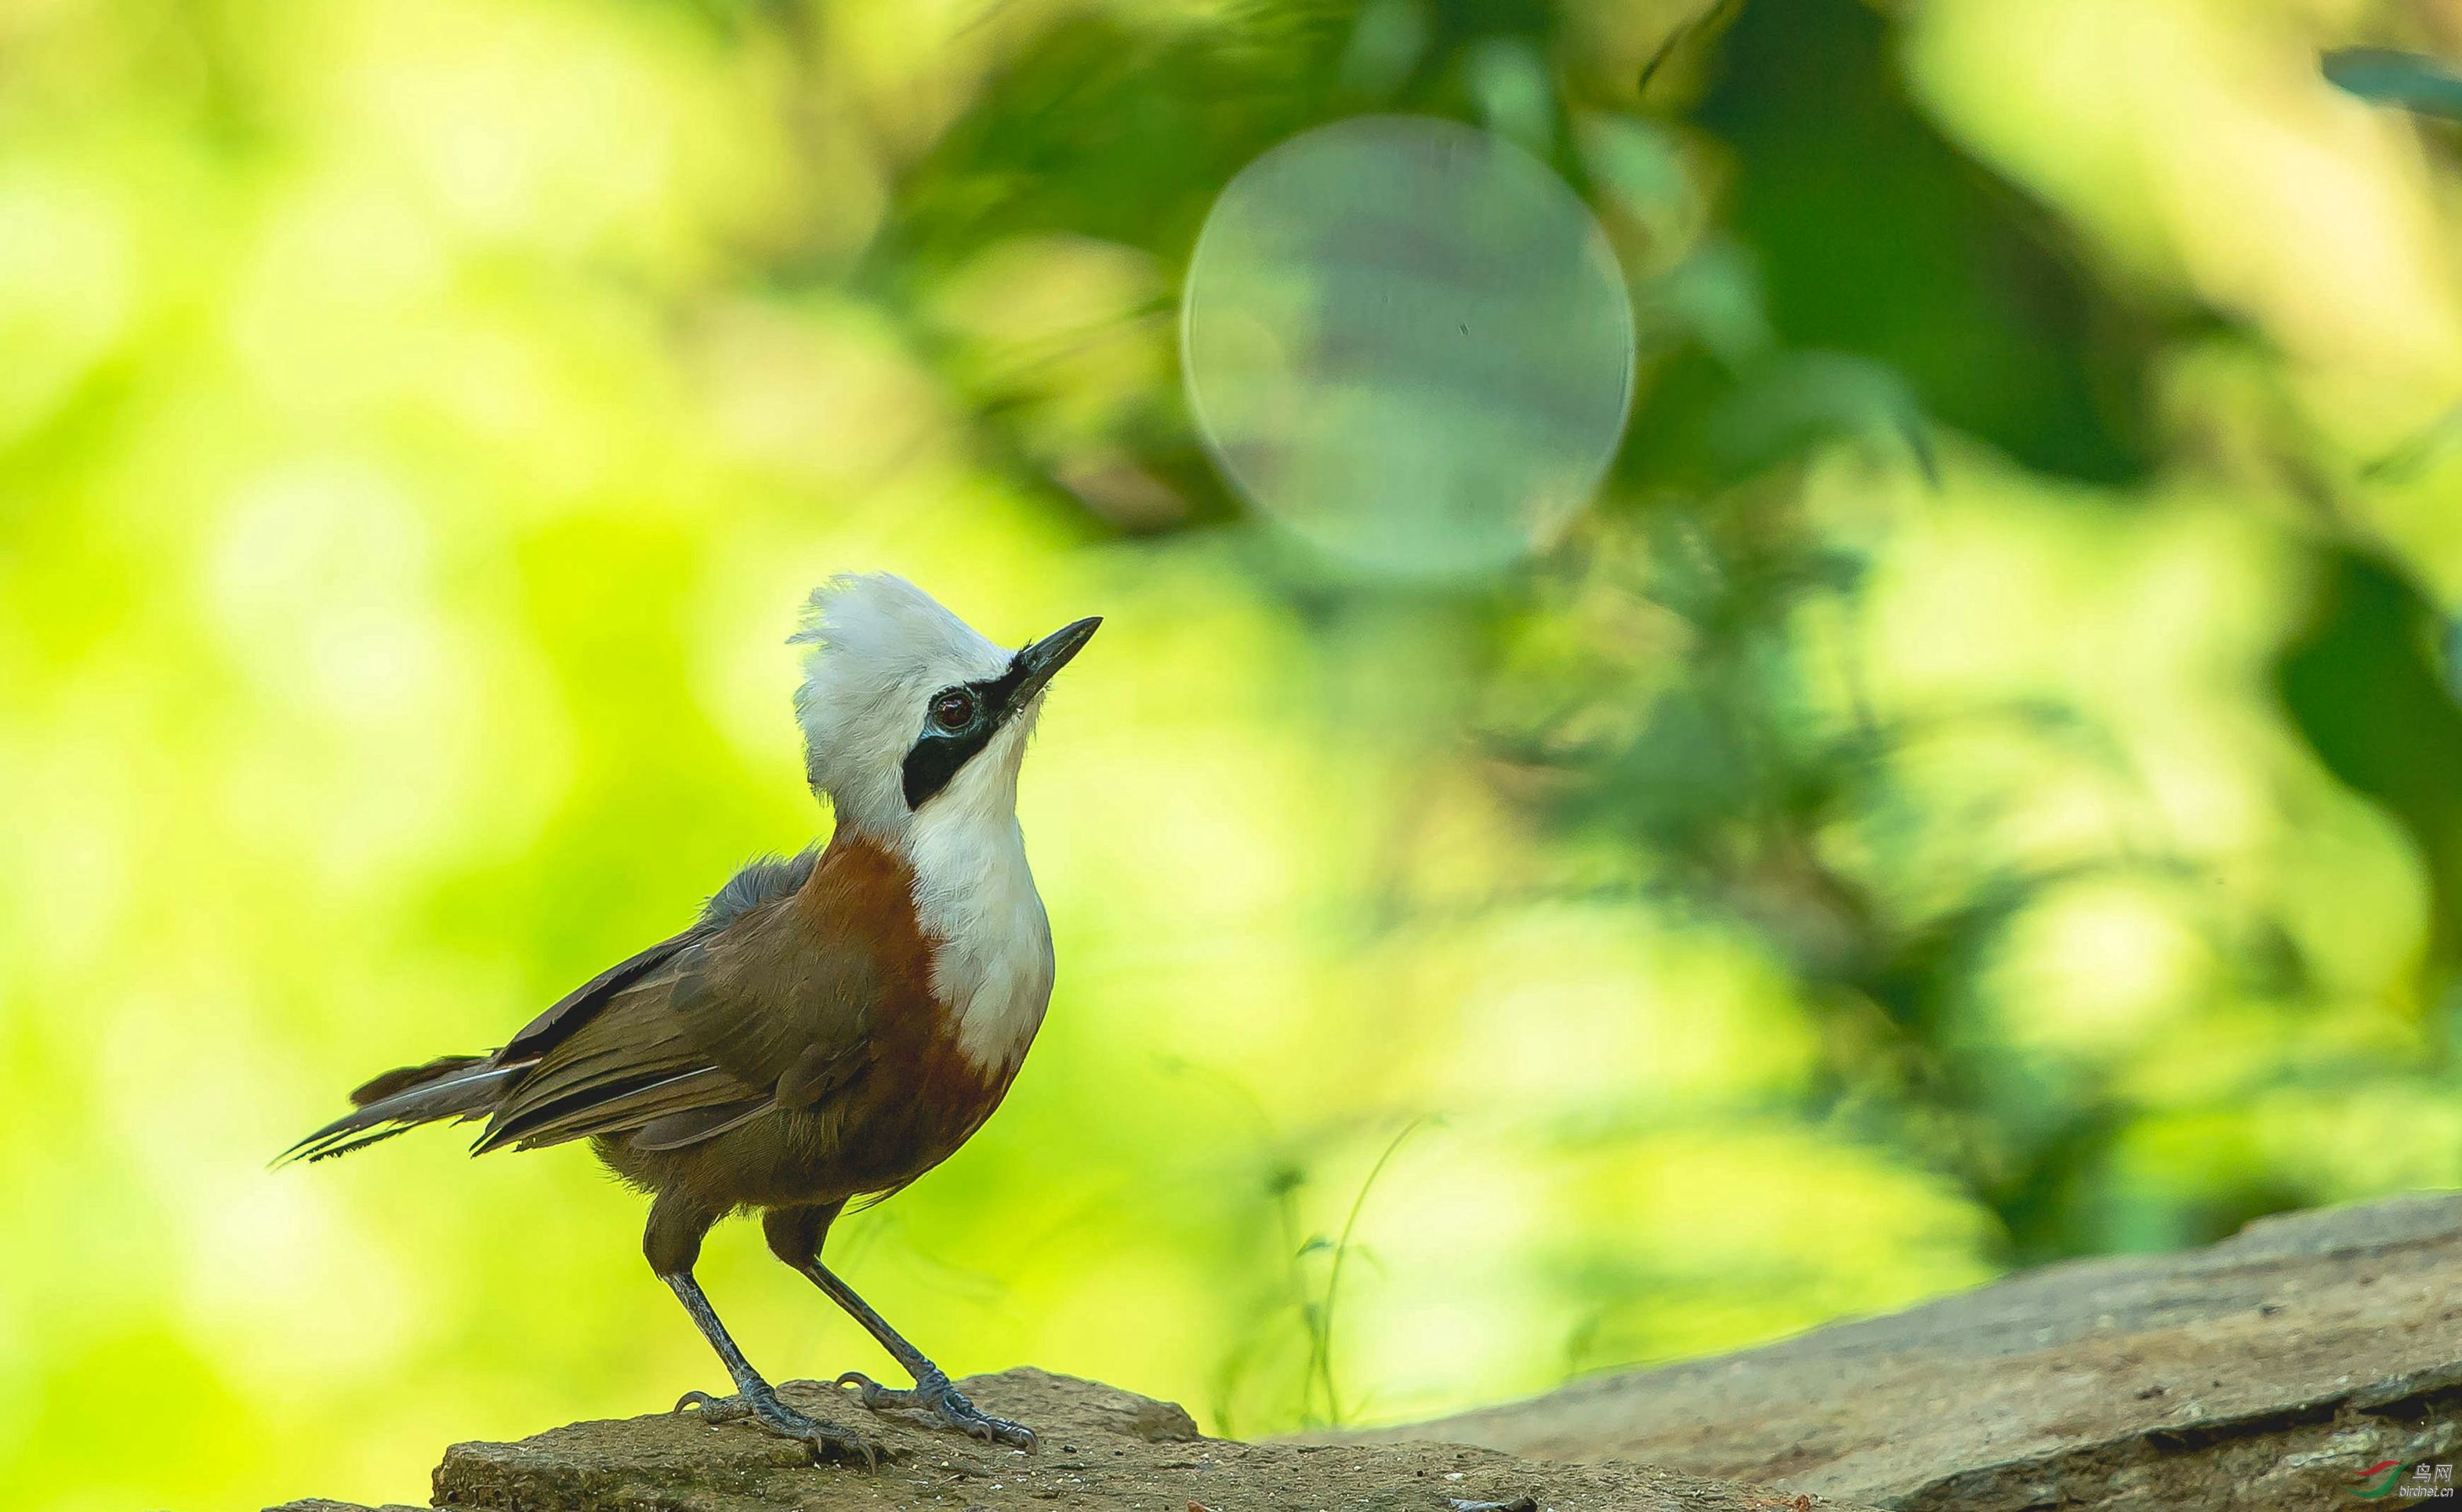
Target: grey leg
(795, 1236)
(753, 1397)
(932, 1394)
(672, 1244)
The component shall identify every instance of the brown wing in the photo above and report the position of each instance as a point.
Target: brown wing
(576, 1007)
(770, 1008)
(764, 880)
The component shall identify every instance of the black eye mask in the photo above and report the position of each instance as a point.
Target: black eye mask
(937, 756)
(942, 750)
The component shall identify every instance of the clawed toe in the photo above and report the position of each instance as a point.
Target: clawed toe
(871, 1394)
(947, 1405)
(713, 1408)
(964, 1414)
(822, 1442)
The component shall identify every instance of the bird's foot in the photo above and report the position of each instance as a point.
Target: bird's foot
(762, 1407)
(943, 1403)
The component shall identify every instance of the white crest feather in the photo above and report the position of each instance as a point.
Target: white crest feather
(881, 647)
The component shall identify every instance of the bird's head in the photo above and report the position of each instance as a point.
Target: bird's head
(907, 711)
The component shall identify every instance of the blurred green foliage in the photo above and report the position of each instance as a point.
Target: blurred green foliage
(1802, 888)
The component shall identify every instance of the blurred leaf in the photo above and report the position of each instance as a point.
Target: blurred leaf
(1714, 298)
(1693, 29)
(2387, 76)
(2413, 456)
(1387, 42)
(1877, 236)
(2365, 688)
(1784, 405)
(1643, 171)
(1514, 93)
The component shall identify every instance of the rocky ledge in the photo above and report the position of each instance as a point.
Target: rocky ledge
(1102, 1450)
(2265, 1373)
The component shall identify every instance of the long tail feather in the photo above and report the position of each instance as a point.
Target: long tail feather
(404, 1078)
(455, 1087)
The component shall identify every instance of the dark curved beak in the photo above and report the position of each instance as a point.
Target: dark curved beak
(1037, 663)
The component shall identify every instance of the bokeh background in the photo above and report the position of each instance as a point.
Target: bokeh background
(1982, 782)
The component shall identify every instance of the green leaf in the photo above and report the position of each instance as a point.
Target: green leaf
(1784, 404)
(2385, 77)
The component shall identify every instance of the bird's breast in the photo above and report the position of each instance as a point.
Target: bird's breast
(921, 1100)
(991, 963)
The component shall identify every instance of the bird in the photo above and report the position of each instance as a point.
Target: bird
(831, 1026)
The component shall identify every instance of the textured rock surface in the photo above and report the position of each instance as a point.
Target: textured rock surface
(1102, 1449)
(2261, 1373)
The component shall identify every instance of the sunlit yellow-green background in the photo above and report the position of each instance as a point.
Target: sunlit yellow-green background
(419, 420)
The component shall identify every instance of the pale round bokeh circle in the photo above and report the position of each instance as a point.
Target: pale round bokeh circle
(1408, 344)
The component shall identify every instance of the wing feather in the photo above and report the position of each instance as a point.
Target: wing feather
(675, 1131)
(579, 1007)
(622, 1106)
(765, 1004)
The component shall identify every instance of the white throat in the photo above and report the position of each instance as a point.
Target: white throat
(975, 899)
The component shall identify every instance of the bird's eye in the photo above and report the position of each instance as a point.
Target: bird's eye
(954, 711)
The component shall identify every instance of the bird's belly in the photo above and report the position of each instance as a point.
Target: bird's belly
(876, 1134)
